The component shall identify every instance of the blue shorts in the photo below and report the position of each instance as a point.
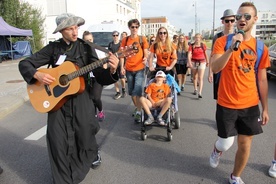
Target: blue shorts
(231, 122)
(135, 82)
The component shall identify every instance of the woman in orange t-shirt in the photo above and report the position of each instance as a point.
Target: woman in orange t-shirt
(164, 50)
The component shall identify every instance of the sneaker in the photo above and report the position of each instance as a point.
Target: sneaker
(235, 180)
(96, 164)
(182, 88)
(137, 117)
(195, 92)
(124, 94)
(134, 113)
(199, 96)
(161, 122)
(117, 96)
(149, 121)
(272, 169)
(101, 116)
(214, 159)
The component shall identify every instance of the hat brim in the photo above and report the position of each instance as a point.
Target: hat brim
(70, 21)
(227, 16)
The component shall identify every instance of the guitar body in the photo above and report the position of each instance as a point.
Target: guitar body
(46, 98)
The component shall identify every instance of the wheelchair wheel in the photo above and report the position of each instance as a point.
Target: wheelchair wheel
(177, 120)
(169, 134)
(143, 136)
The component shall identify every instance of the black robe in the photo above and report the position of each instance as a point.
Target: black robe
(71, 131)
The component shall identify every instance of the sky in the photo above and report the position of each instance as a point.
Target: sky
(181, 13)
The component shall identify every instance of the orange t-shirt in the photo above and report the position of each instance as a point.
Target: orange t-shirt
(158, 93)
(135, 62)
(237, 85)
(164, 58)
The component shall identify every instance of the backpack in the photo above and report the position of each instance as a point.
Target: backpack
(201, 45)
(259, 49)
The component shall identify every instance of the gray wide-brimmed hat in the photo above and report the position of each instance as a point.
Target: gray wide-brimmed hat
(66, 20)
(227, 13)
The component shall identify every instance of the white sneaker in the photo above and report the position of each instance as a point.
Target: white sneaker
(214, 159)
(235, 180)
(272, 169)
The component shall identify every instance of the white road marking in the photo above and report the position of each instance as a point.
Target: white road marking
(41, 132)
(109, 86)
(38, 134)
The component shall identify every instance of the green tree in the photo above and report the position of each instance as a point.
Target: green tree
(24, 16)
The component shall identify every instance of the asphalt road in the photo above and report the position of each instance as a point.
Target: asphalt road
(129, 160)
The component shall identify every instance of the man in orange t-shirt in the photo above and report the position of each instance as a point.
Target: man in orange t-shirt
(134, 66)
(237, 104)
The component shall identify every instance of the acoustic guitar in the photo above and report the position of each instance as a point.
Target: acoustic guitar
(69, 81)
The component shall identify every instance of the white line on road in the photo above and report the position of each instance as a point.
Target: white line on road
(38, 134)
(109, 86)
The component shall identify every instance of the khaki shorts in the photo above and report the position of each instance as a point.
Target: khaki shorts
(198, 65)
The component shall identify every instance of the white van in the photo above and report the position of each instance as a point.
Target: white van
(102, 33)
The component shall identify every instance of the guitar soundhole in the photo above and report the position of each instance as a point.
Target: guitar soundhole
(63, 80)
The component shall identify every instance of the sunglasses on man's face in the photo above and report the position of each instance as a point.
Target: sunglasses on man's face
(247, 16)
(115, 35)
(230, 20)
(136, 27)
(152, 40)
(164, 33)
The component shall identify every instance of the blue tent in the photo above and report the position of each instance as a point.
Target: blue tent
(23, 48)
(9, 31)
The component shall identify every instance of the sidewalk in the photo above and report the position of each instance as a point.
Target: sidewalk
(13, 91)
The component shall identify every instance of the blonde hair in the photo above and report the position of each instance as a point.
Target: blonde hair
(182, 46)
(168, 43)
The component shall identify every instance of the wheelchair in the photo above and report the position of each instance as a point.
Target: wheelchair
(171, 117)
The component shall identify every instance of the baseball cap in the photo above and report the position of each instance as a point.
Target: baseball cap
(160, 74)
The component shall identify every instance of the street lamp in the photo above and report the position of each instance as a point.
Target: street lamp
(195, 17)
(214, 13)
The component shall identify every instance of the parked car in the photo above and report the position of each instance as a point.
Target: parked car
(271, 72)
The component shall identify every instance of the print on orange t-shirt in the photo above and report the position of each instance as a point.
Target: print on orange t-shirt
(135, 63)
(237, 85)
(164, 58)
(158, 93)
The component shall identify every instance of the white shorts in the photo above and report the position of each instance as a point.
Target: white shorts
(198, 65)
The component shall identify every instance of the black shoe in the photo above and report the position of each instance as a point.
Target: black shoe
(96, 164)
(1, 170)
(117, 96)
(199, 96)
(182, 88)
(124, 94)
(178, 94)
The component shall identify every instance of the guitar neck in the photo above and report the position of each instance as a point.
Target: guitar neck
(87, 68)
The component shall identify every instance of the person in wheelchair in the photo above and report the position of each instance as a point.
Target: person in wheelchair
(158, 96)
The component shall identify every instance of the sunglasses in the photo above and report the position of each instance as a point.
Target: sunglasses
(247, 16)
(132, 27)
(115, 35)
(152, 40)
(231, 20)
(164, 33)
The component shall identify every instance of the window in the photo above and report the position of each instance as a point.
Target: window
(56, 7)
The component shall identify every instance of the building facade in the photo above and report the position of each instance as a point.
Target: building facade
(93, 11)
(266, 25)
(150, 26)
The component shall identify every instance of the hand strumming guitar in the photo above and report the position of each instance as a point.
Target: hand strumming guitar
(44, 78)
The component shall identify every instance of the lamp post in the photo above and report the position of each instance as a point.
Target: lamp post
(214, 13)
(195, 17)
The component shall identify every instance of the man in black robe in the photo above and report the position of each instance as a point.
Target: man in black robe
(71, 131)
